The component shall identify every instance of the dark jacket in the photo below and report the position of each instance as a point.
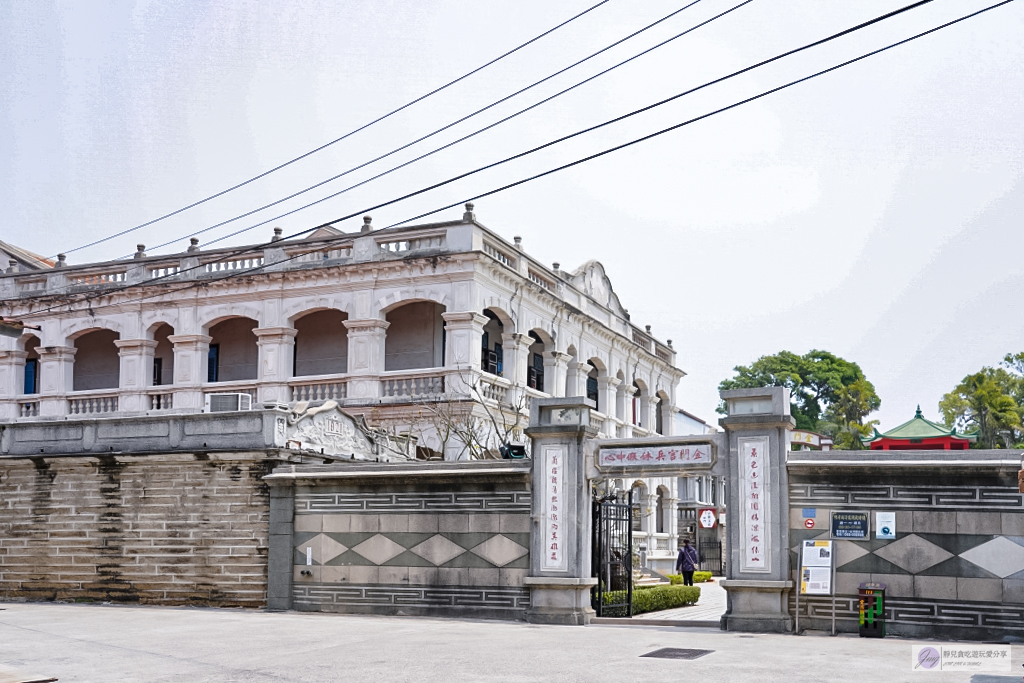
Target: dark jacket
(687, 560)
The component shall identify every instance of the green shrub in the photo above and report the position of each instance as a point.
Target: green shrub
(656, 598)
(698, 577)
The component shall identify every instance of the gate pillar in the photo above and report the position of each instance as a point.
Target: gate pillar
(758, 569)
(560, 560)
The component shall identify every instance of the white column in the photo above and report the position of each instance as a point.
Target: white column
(191, 369)
(576, 378)
(555, 367)
(135, 374)
(366, 340)
(649, 412)
(606, 394)
(12, 382)
(276, 354)
(57, 378)
(517, 350)
(464, 331)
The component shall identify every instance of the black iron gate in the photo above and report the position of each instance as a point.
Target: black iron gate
(710, 554)
(613, 556)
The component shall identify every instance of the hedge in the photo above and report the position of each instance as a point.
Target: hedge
(698, 577)
(656, 598)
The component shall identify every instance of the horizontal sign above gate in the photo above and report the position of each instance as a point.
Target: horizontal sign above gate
(654, 457)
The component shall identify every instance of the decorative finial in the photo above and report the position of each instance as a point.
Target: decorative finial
(648, 328)
(13, 266)
(61, 260)
(670, 343)
(519, 242)
(918, 413)
(469, 216)
(193, 244)
(556, 266)
(141, 253)
(366, 224)
(277, 234)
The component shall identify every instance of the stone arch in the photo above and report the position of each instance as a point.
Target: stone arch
(401, 297)
(233, 352)
(219, 314)
(152, 320)
(321, 342)
(299, 308)
(663, 414)
(163, 353)
(507, 321)
(97, 360)
(74, 329)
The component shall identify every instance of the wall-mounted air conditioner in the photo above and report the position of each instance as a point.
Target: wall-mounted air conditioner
(224, 403)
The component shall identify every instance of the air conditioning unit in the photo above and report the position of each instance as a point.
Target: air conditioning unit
(225, 403)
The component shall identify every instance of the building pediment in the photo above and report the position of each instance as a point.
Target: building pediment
(592, 280)
(329, 430)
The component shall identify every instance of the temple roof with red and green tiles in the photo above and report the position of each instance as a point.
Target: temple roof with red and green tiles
(920, 434)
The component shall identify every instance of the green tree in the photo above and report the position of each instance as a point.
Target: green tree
(983, 402)
(844, 419)
(818, 380)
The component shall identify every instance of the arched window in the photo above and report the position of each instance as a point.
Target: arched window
(31, 385)
(97, 362)
(592, 393)
(660, 512)
(321, 344)
(492, 356)
(415, 337)
(234, 354)
(163, 356)
(535, 370)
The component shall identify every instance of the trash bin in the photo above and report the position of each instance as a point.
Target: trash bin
(872, 610)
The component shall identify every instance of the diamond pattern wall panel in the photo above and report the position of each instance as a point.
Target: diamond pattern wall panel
(1001, 556)
(913, 553)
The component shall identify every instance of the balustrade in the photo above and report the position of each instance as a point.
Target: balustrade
(318, 390)
(244, 263)
(161, 400)
(92, 403)
(494, 391)
(416, 386)
(98, 278)
(499, 255)
(28, 408)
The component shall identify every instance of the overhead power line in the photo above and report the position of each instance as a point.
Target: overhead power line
(502, 188)
(343, 137)
(446, 127)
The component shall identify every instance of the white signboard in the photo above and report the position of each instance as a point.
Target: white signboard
(816, 568)
(707, 518)
(756, 523)
(655, 456)
(885, 525)
(555, 559)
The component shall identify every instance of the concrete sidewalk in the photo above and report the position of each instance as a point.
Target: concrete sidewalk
(86, 643)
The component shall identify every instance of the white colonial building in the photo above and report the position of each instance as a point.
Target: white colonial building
(444, 331)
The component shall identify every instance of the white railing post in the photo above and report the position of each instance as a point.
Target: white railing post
(136, 373)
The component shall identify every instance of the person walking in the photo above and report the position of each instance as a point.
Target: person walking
(687, 562)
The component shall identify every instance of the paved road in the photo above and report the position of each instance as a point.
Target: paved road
(87, 643)
(710, 607)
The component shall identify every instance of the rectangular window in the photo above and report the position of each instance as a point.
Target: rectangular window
(158, 371)
(213, 363)
(499, 355)
(592, 391)
(32, 376)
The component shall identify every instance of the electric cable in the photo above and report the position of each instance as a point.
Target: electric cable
(446, 127)
(502, 188)
(343, 137)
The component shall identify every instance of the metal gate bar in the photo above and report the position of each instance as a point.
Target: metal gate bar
(613, 556)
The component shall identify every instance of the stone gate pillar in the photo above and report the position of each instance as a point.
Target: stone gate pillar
(756, 444)
(560, 554)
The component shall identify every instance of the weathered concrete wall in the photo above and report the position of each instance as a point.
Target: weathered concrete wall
(238, 352)
(159, 529)
(441, 539)
(415, 337)
(321, 345)
(97, 365)
(956, 566)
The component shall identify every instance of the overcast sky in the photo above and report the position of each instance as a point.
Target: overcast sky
(875, 212)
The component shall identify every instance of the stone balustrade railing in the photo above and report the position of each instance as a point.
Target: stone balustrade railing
(93, 402)
(322, 388)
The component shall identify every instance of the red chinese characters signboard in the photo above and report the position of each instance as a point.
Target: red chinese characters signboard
(652, 457)
(756, 521)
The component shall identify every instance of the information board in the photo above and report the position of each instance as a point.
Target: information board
(816, 568)
(852, 526)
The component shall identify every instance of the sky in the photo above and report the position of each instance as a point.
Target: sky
(874, 212)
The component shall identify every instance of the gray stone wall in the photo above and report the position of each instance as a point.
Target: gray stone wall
(434, 542)
(158, 529)
(956, 566)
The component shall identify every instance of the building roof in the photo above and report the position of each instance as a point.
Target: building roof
(920, 428)
(26, 259)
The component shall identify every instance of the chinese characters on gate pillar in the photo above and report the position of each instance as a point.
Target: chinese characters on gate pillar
(756, 526)
(554, 497)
